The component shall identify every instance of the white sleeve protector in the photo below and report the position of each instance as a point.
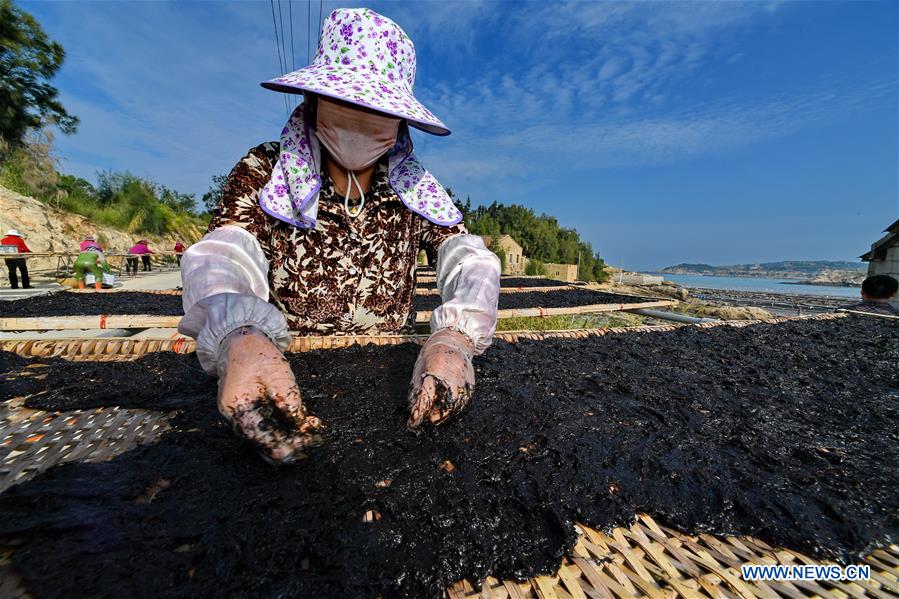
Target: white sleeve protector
(468, 283)
(225, 281)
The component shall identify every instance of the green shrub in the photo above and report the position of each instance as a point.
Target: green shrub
(535, 267)
(541, 237)
(501, 254)
(120, 199)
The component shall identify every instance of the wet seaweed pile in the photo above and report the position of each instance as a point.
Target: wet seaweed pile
(787, 432)
(135, 302)
(93, 304)
(158, 381)
(542, 299)
(513, 282)
(16, 377)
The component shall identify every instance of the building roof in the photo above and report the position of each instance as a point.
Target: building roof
(489, 239)
(879, 248)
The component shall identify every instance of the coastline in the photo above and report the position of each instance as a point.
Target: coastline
(824, 283)
(764, 285)
(778, 304)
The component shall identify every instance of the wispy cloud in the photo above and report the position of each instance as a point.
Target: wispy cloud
(598, 143)
(612, 84)
(171, 90)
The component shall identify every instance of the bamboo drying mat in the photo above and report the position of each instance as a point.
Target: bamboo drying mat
(649, 560)
(32, 441)
(643, 560)
(145, 321)
(418, 291)
(125, 348)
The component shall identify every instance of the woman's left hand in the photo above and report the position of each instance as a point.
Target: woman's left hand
(442, 380)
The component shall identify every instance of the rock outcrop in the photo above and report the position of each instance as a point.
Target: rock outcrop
(47, 229)
(836, 278)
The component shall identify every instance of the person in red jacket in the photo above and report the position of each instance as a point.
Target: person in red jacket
(179, 250)
(13, 237)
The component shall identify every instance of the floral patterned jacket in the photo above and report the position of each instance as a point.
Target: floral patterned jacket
(345, 275)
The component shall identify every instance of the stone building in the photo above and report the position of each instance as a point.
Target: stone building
(515, 260)
(561, 272)
(883, 259)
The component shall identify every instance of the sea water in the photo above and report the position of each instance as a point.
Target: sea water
(760, 284)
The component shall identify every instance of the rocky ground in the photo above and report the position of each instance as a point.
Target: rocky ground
(784, 304)
(836, 278)
(727, 304)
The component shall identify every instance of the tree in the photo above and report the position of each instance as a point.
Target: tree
(213, 197)
(541, 238)
(535, 267)
(500, 253)
(28, 60)
(179, 202)
(30, 166)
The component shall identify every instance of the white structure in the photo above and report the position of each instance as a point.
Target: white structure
(883, 259)
(636, 278)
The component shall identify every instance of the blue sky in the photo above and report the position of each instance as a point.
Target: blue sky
(717, 132)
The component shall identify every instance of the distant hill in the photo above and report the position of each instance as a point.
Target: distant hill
(815, 272)
(799, 267)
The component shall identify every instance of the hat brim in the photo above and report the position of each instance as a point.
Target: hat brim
(361, 88)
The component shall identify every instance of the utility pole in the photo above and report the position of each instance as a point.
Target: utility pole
(579, 266)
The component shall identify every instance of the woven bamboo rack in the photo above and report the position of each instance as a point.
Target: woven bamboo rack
(650, 560)
(645, 559)
(127, 348)
(418, 291)
(873, 314)
(146, 321)
(119, 290)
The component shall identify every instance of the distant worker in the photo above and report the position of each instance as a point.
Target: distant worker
(179, 250)
(318, 232)
(89, 242)
(13, 237)
(139, 249)
(877, 291)
(91, 260)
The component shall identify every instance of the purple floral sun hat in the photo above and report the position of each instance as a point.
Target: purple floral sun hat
(365, 59)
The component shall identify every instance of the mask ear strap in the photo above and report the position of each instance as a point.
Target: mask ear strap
(350, 179)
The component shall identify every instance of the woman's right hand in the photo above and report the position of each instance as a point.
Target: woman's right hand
(258, 394)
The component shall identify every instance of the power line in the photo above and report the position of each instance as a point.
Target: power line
(319, 22)
(293, 53)
(278, 47)
(284, 49)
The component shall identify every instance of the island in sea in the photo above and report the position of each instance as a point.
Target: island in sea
(805, 272)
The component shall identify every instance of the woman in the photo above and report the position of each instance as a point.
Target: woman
(89, 242)
(15, 238)
(179, 251)
(320, 233)
(90, 260)
(142, 249)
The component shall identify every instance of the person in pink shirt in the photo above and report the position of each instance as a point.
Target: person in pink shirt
(139, 249)
(89, 242)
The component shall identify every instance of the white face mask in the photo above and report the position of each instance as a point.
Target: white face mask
(354, 138)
